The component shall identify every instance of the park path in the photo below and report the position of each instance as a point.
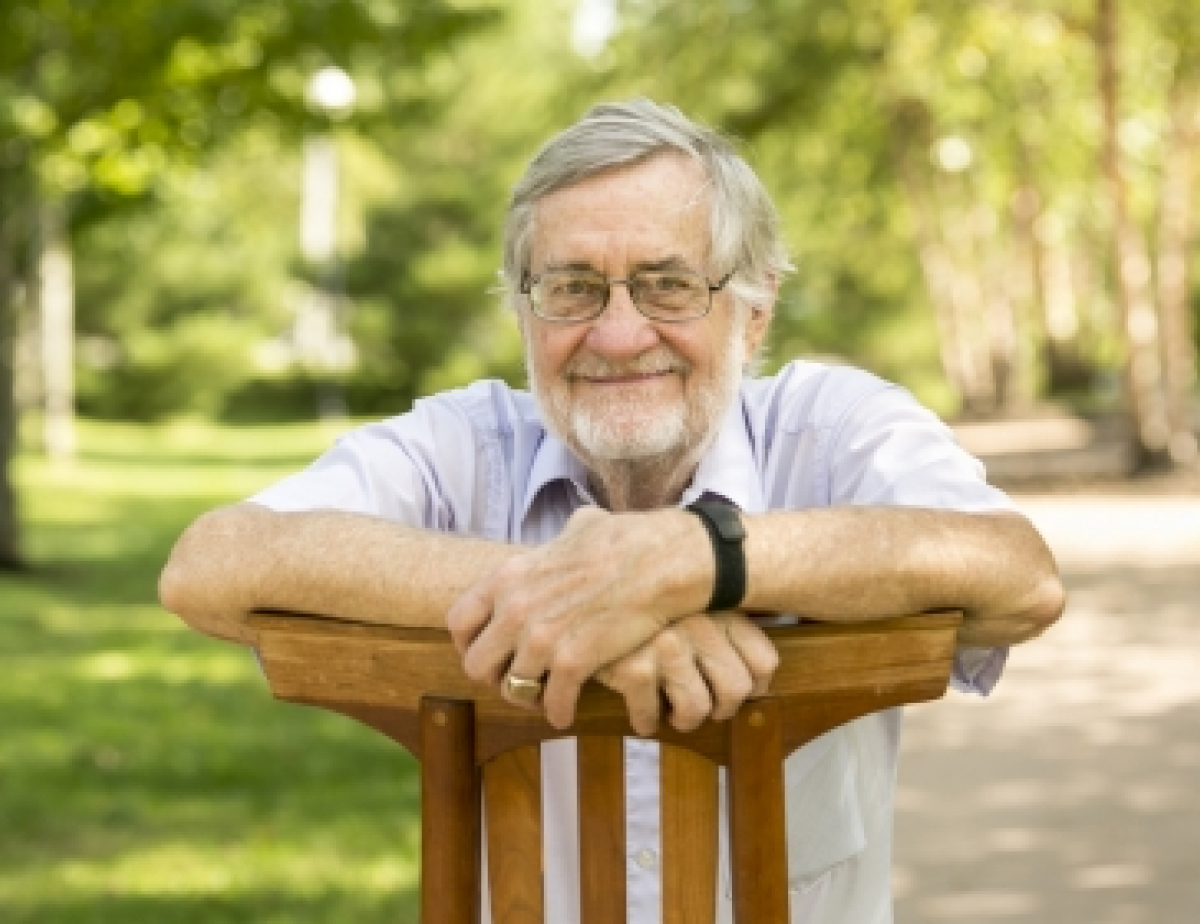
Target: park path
(1072, 794)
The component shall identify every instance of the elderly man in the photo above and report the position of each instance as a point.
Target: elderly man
(635, 514)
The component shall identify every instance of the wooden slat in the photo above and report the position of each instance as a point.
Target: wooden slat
(512, 789)
(450, 841)
(689, 837)
(601, 767)
(757, 834)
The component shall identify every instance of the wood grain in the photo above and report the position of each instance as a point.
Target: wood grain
(689, 836)
(450, 843)
(512, 792)
(757, 834)
(601, 768)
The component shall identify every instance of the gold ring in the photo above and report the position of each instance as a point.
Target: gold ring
(522, 690)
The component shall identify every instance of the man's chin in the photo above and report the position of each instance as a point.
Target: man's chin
(630, 440)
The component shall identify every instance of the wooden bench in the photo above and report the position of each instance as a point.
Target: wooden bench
(409, 685)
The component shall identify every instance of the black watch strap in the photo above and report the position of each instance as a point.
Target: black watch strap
(727, 533)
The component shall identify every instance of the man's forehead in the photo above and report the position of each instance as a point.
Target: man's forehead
(662, 204)
(679, 182)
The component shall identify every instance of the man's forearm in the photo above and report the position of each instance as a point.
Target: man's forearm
(239, 559)
(847, 563)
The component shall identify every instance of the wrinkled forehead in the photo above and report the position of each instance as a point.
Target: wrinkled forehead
(645, 212)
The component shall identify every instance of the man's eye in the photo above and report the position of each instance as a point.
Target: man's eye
(670, 283)
(571, 287)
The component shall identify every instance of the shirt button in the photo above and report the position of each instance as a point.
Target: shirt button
(647, 858)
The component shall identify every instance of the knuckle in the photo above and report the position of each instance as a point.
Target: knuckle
(569, 664)
(738, 689)
(670, 646)
(640, 673)
(766, 663)
(508, 617)
(539, 641)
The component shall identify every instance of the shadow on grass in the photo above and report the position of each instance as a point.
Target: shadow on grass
(114, 559)
(137, 766)
(259, 907)
(266, 461)
(146, 774)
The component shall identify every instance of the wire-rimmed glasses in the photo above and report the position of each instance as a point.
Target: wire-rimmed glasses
(659, 294)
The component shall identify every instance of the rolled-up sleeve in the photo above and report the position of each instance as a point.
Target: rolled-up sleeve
(890, 450)
(417, 468)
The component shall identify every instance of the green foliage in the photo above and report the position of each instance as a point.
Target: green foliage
(172, 300)
(845, 107)
(166, 129)
(108, 94)
(148, 775)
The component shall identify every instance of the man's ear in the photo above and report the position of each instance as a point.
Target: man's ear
(761, 313)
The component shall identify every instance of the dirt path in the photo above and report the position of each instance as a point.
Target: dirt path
(1072, 794)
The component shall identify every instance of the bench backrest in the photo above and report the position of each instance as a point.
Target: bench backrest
(409, 685)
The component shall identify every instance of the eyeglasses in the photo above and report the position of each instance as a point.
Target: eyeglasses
(581, 295)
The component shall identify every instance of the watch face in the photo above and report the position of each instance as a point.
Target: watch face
(726, 519)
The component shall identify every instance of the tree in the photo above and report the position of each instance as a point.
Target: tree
(98, 100)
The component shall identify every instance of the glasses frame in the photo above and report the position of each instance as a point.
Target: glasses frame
(529, 281)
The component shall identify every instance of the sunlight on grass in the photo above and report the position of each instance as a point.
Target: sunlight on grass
(148, 776)
(219, 667)
(176, 868)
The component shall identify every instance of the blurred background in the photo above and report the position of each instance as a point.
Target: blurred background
(229, 230)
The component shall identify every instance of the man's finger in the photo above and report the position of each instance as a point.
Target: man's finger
(721, 664)
(680, 678)
(579, 656)
(757, 652)
(635, 677)
(470, 614)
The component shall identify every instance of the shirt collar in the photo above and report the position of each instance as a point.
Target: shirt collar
(554, 461)
(727, 470)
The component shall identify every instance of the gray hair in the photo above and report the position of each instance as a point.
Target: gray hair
(746, 238)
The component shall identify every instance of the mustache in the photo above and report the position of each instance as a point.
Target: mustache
(655, 361)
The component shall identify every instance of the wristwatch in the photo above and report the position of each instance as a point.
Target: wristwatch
(727, 534)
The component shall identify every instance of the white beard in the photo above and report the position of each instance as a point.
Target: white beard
(621, 430)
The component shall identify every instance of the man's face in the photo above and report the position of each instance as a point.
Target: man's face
(622, 386)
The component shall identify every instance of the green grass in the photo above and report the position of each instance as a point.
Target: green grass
(146, 775)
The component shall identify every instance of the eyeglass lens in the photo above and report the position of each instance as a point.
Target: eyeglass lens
(663, 294)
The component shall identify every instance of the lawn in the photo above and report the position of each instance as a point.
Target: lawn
(146, 775)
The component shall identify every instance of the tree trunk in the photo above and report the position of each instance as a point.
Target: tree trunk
(944, 280)
(961, 226)
(1176, 234)
(1002, 297)
(910, 133)
(1143, 371)
(56, 310)
(10, 549)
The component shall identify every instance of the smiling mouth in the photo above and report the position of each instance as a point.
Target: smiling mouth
(624, 378)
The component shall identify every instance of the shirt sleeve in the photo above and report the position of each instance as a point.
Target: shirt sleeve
(890, 450)
(419, 469)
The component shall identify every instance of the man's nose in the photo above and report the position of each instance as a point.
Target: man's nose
(621, 330)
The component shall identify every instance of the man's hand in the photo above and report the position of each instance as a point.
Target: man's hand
(599, 591)
(705, 666)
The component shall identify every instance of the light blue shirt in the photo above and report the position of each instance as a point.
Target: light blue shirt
(479, 461)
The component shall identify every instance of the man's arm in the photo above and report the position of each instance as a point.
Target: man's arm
(245, 557)
(853, 563)
(611, 582)
(235, 560)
